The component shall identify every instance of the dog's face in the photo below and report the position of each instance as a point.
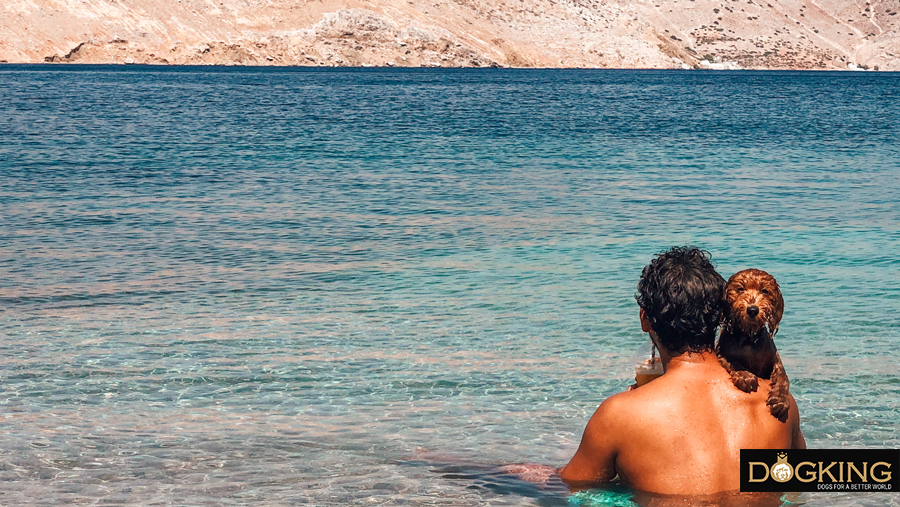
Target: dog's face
(753, 300)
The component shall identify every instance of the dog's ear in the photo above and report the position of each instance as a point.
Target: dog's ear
(726, 309)
(777, 307)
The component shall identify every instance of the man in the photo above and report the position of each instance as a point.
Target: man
(682, 433)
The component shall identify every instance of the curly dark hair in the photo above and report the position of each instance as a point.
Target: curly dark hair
(681, 294)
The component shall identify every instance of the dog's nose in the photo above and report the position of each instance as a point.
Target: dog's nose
(753, 311)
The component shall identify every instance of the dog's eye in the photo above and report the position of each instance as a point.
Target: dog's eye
(739, 289)
(765, 291)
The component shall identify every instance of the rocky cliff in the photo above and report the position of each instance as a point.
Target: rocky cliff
(756, 34)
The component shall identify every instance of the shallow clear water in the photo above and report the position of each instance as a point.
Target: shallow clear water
(331, 287)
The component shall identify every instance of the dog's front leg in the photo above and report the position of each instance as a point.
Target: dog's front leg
(740, 377)
(777, 400)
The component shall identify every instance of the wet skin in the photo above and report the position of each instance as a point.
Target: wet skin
(682, 433)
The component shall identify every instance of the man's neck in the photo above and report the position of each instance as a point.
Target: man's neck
(688, 359)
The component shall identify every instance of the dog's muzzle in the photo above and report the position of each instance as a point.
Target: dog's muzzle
(753, 311)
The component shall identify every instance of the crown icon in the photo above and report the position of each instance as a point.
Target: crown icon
(782, 471)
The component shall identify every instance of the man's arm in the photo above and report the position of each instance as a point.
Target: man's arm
(797, 440)
(595, 460)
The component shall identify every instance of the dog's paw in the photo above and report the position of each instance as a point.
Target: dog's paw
(778, 406)
(745, 381)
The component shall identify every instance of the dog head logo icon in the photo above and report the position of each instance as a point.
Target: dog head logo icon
(782, 471)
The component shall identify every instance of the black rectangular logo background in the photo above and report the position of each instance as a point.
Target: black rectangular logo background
(756, 464)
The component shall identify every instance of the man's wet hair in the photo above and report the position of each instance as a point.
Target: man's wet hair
(681, 294)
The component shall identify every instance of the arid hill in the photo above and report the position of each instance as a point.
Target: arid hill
(756, 34)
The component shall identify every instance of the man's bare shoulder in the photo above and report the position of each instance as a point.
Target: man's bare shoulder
(610, 407)
(673, 392)
(627, 408)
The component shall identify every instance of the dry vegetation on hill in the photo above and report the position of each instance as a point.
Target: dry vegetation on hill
(758, 34)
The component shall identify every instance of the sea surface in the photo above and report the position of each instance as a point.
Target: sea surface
(270, 286)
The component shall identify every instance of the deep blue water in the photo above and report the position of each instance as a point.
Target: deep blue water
(231, 286)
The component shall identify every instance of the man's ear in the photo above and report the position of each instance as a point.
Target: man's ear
(645, 322)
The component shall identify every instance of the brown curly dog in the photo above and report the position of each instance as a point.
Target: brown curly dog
(753, 309)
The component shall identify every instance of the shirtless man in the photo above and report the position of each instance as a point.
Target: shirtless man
(682, 433)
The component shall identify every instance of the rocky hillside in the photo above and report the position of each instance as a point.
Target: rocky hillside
(757, 34)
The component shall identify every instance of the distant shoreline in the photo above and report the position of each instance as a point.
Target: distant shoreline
(541, 34)
(423, 67)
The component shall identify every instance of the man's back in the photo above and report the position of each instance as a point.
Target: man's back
(682, 433)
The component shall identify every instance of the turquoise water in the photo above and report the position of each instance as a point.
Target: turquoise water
(365, 287)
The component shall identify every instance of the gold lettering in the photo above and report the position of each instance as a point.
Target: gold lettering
(886, 476)
(826, 470)
(863, 475)
(810, 474)
(841, 471)
(765, 467)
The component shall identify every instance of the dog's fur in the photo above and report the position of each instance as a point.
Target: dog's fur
(753, 309)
